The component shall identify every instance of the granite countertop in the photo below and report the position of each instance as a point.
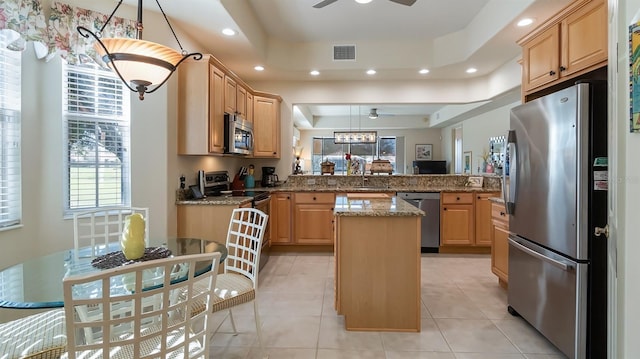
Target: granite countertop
(499, 200)
(374, 207)
(377, 189)
(218, 200)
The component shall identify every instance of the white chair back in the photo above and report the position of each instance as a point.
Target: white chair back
(96, 228)
(136, 311)
(244, 241)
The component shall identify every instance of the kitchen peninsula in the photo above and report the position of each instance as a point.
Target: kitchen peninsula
(377, 258)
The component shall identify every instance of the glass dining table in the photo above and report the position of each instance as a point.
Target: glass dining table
(37, 282)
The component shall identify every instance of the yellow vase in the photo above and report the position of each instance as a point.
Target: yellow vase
(132, 240)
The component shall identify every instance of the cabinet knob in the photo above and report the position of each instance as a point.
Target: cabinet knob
(314, 198)
(478, 197)
(551, 73)
(562, 68)
(444, 209)
(502, 214)
(275, 153)
(457, 198)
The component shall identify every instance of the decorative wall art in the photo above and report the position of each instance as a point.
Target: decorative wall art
(424, 152)
(466, 162)
(634, 77)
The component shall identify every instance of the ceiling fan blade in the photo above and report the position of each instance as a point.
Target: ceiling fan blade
(404, 2)
(324, 3)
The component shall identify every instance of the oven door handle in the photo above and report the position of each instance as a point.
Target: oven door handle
(260, 202)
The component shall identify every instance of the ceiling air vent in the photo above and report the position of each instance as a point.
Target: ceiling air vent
(344, 52)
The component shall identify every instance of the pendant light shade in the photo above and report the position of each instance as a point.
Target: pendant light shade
(142, 65)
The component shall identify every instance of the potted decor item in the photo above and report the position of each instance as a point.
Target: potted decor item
(132, 240)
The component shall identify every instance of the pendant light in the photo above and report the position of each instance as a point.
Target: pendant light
(143, 66)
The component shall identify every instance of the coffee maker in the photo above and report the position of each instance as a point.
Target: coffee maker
(269, 177)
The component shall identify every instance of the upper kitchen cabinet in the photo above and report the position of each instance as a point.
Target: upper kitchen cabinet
(249, 116)
(266, 126)
(571, 43)
(200, 107)
(230, 95)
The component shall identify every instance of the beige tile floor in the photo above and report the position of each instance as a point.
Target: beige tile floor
(464, 316)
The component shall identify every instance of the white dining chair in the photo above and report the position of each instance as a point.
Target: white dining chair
(94, 229)
(37, 336)
(238, 284)
(134, 329)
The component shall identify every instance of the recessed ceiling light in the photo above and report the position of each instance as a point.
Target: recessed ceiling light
(228, 32)
(363, 1)
(471, 70)
(525, 22)
(371, 72)
(424, 71)
(314, 73)
(259, 68)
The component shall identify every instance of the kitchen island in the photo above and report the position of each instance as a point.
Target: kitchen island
(377, 258)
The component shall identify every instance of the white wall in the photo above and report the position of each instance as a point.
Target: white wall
(627, 202)
(476, 132)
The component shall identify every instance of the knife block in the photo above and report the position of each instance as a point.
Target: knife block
(237, 184)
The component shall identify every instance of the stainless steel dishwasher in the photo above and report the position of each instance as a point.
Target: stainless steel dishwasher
(429, 202)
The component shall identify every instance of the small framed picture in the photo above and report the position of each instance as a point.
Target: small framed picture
(424, 152)
(466, 162)
(475, 182)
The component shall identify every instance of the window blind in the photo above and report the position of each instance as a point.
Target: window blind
(10, 147)
(96, 115)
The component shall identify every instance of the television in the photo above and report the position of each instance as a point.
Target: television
(431, 167)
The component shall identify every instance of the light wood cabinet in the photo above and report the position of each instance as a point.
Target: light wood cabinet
(313, 218)
(378, 272)
(266, 127)
(200, 108)
(465, 220)
(230, 94)
(500, 243)
(280, 218)
(241, 101)
(249, 104)
(569, 44)
(456, 219)
(483, 218)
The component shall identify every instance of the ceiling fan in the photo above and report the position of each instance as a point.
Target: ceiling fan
(324, 3)
(373, 114)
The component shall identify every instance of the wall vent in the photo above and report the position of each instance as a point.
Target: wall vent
(344, 52)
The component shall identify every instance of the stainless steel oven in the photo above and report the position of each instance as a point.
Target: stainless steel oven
(238, 135)
(262, 201)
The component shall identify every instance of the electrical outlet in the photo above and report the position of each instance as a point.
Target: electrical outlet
(311, 181)
(332, 182)
(413, 181)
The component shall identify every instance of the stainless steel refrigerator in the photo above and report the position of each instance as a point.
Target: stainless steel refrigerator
(557, 198)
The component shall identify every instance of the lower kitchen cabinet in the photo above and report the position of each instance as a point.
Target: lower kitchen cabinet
(313, 218)
(280, 218)
(500, 243)
(195, 221)
(483, 218)
(465, 221)
(456, 219)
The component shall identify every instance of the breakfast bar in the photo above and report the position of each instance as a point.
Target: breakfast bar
(377, 259)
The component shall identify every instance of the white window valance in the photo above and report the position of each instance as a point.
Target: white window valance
(71, 46)
(22, 21)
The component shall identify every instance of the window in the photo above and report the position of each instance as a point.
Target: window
(96, 116)
(324, 148)
(10, 151)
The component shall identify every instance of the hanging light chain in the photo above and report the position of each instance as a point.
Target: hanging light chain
(182, 50)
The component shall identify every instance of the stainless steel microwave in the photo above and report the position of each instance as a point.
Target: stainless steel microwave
(238, 135)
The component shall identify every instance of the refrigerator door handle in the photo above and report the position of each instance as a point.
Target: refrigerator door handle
(533, 253)
(510, 195)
